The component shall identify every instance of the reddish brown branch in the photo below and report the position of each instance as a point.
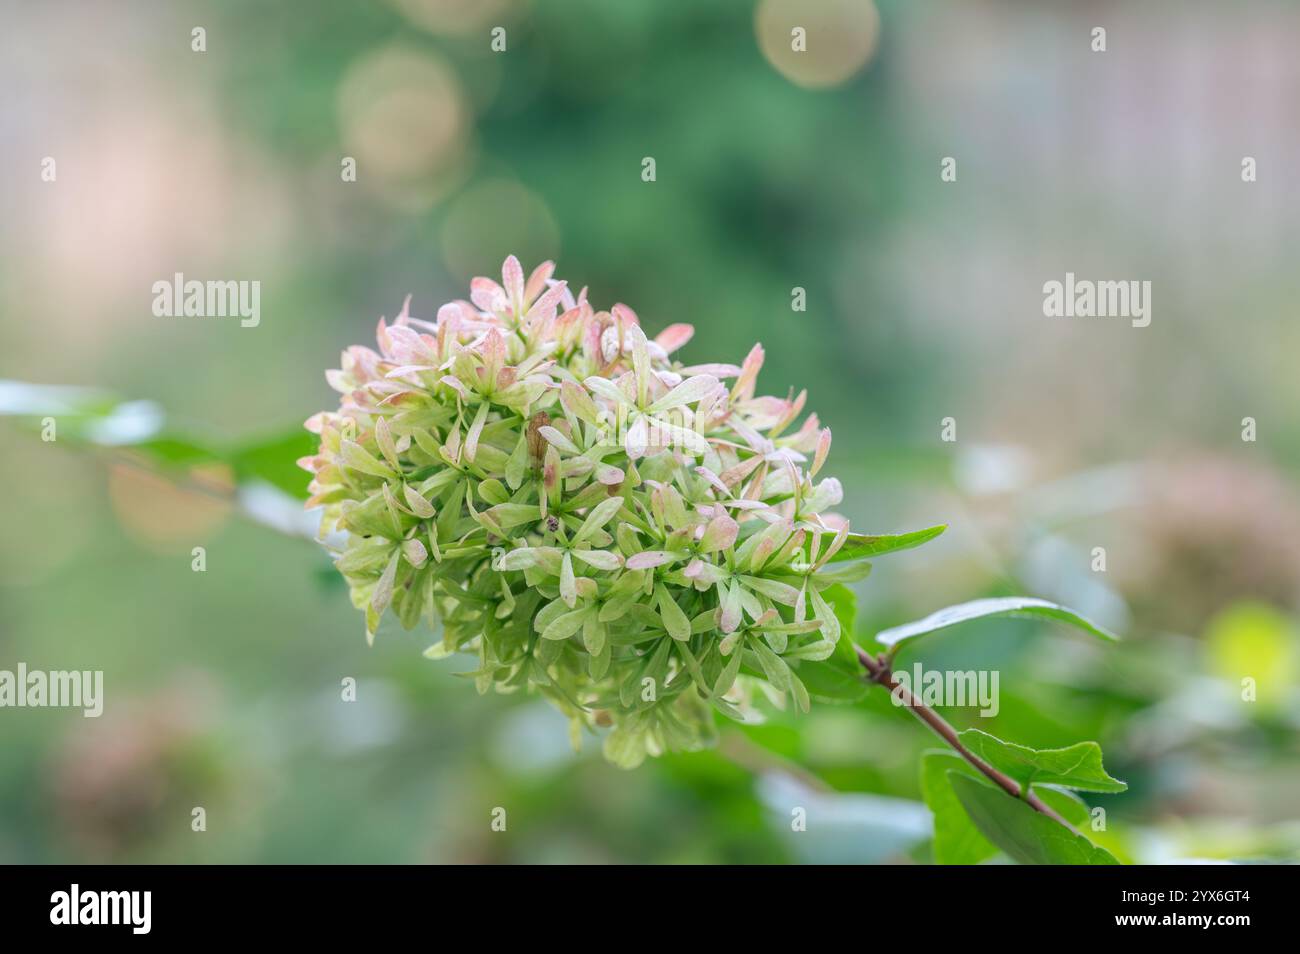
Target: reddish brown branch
(878, 671)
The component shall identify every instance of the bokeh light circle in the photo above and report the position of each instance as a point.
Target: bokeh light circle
(839, 38)
(493, 219)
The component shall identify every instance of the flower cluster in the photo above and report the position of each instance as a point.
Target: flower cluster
(638, 540)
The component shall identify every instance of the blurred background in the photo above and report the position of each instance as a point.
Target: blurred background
(775, 170)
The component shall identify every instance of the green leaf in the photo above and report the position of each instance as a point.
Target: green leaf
(475, 432)
(568, 583)
(594, 634)
(831, 683)
(727, 677)
(510, 515)
(838, 678)
(774, 667)
(85, 416)
(1066, 804)
(1077, 766)
(449, 515)
(675, 621)
(139, 427)
(355, 457)
(843, 572)
(1028, 836)
(860, 546)
(517, 464)
(164, 452)
(956, 839)
(598, 516)
(845, 604)
(980, 609)
(275, 460)
(625, 747)
(566, 625)
(381, 597)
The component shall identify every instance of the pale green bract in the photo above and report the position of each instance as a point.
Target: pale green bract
(640, 541)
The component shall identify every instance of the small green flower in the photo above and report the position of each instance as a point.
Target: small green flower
(628, 536)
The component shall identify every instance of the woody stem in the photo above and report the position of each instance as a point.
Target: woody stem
(879, 672)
